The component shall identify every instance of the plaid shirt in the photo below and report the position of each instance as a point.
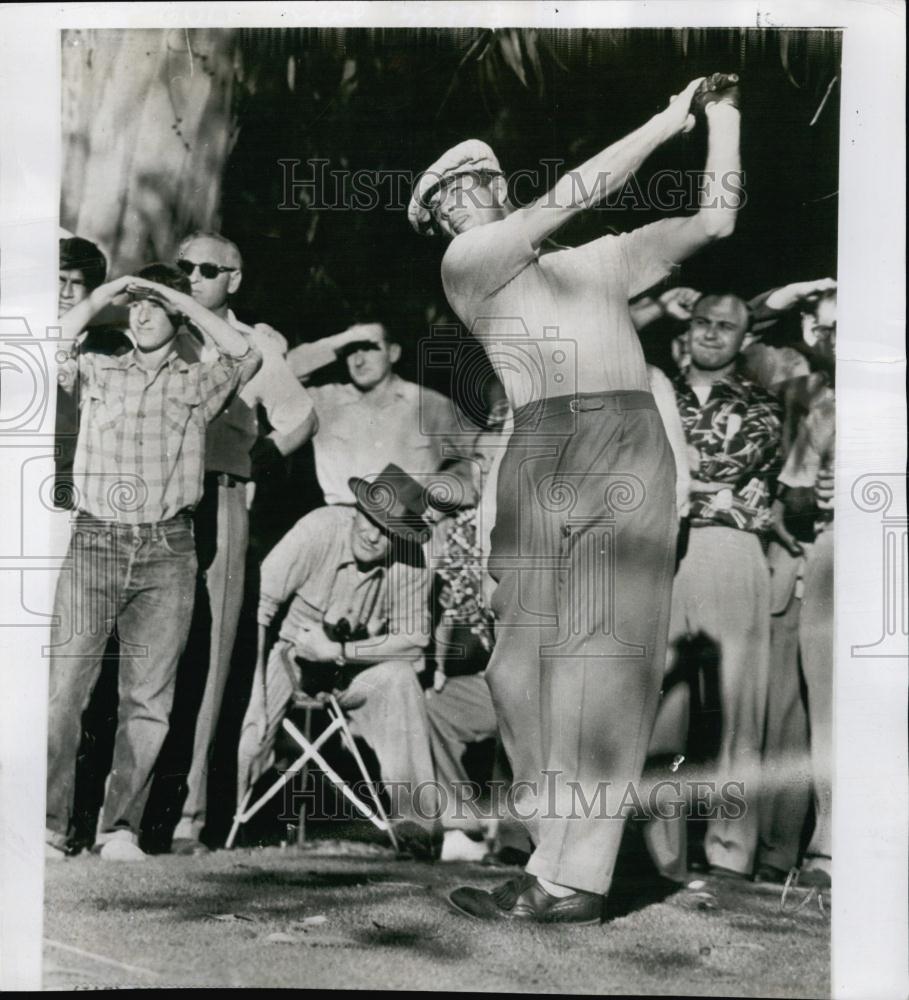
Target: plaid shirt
(737, 433)
(141, 450)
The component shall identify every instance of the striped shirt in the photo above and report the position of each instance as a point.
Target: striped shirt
(141, 450)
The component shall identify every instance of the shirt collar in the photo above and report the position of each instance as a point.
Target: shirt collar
(395, 386)
(734, 383)
(174, 360)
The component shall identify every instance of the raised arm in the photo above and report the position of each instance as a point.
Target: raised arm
(675, 303)
(308, 358)
(216, 332)
(73, 322)
(768, 305)
(720, 195)
(608, 171)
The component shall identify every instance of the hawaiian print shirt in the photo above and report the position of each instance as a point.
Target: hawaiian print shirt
(737, 436)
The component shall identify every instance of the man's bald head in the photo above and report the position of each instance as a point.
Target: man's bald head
(731, 305)
(717, 330)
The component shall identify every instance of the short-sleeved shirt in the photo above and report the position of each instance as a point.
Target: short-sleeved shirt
(554, 323)
(737, 433)
(413, 426)
(274, 386)
(141, 447)
(314, 564)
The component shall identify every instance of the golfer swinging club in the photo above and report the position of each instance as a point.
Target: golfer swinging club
(584, 542)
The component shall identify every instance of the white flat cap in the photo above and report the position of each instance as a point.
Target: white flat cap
(471, 156)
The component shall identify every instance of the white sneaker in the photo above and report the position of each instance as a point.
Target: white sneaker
(457, 846)
(121, 846)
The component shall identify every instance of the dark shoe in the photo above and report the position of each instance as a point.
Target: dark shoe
(770, 875)
(188, 847)
(536, 904)
(483, 904)
(417, 842)
(506, 857)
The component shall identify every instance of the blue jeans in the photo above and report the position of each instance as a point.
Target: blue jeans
(137, 582)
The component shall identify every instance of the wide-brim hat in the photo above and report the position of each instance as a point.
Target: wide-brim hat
(472, 156)
(394, 501)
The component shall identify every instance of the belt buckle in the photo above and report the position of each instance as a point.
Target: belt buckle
(574, 405)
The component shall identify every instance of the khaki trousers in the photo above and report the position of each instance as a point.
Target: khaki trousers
(224, 578)
(722, 596)
(787, 774)
(582, 551)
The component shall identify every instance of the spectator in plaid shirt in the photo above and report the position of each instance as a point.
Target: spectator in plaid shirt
(722, 586)
(131, 563)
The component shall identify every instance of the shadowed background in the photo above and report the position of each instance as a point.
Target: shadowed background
(166, 131)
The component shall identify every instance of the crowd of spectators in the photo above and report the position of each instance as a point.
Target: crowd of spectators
(170, 420)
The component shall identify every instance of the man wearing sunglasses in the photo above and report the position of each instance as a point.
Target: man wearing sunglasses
(235, 455)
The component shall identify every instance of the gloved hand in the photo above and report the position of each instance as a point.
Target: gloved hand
(718, 88)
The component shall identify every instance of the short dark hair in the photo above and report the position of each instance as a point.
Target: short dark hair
(369, 317)
(168, 275)
(77, 254)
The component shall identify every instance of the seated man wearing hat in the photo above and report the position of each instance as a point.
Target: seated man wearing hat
(358, 623)
(583, 547)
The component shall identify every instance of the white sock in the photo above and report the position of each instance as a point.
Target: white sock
(554, 889)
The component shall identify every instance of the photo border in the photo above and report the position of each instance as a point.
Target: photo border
(871, 803)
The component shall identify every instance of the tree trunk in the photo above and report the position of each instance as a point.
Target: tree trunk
(148, 125)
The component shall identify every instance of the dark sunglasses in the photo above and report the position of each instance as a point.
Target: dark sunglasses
(206, 269)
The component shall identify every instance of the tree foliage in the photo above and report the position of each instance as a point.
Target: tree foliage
(165, 131)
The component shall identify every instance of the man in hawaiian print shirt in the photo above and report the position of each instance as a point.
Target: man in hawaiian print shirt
(722, 588)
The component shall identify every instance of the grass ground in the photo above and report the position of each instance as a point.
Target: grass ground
(338, 915)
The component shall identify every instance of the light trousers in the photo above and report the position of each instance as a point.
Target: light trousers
(582, 550)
